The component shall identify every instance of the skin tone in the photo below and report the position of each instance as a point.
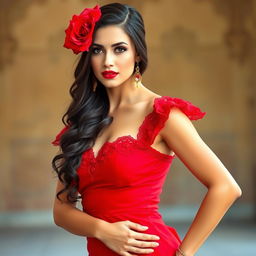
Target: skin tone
(179, 134)
(120, 58)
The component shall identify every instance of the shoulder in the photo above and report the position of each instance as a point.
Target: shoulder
(163, 105)
(178, 114)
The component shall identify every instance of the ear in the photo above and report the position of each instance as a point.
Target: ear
(137, 58)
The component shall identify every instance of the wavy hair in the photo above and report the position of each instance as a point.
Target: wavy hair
(87, 113)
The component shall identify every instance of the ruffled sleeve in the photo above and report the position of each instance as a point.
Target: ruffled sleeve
(56, 141)
(161, 110)
(163, 106)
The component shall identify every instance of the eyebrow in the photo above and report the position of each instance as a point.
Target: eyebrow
(113, 45)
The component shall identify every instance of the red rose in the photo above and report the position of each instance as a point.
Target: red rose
(80, 30)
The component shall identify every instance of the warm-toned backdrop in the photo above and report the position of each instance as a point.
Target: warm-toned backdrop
(200, 50)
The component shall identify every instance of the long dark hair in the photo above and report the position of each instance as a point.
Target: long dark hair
(87, 113)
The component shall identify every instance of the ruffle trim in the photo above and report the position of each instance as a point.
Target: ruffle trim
(161, 110)
(56, 142)
(163, 106)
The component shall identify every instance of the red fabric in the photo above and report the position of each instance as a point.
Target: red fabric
(124, 181)
(80, 30)
(56, 142)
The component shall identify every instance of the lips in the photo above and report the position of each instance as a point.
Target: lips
(109, 74)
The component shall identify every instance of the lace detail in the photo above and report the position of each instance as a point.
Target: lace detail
(88, 162)
(162, 107)
(148, 127)
(121, 144)
(126, 141)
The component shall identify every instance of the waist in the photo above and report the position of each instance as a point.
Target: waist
(120, 203)
(126, 213)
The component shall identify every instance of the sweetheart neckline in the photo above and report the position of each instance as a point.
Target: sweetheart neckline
(124, 136)
(108, 143)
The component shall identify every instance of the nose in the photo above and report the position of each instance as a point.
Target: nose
(109, 59)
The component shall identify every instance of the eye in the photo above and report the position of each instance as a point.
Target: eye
(118, 49)
(94, 50)
(122, 49)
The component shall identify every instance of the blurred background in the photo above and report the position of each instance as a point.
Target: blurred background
(200, 50)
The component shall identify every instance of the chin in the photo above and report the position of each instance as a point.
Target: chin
(112, 83)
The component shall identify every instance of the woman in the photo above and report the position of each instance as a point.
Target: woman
(119, 141)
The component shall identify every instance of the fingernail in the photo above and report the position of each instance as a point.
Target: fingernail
(144, 227)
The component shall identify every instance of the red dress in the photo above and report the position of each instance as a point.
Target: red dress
(124, 181)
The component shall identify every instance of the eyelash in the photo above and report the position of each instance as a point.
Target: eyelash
(96, 48)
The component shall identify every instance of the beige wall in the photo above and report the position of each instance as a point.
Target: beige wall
(201, 51)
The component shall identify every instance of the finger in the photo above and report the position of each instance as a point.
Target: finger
(143, 236)
(128, 254)
(139, 250)
(135, 226)
(142, 244)
(137, 246)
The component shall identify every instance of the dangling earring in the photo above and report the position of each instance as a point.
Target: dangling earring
(94, 86)
(138, 77)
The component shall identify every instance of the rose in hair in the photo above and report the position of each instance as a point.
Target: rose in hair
(80, 30)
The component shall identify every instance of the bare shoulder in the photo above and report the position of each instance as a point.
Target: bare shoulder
(151, 98)
(177, 121)
(146, 102)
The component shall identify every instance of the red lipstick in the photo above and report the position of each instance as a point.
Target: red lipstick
(109, 74)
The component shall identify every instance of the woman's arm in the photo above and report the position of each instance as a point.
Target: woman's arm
(182, 137)
(67, 216)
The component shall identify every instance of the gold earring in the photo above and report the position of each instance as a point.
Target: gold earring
(138, 77)
(94, 86)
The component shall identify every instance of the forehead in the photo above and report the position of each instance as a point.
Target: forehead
(111, 34)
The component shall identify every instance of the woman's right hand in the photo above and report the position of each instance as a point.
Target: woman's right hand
(120, 238)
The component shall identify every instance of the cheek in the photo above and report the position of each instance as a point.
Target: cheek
(95, 64)
(127, 63)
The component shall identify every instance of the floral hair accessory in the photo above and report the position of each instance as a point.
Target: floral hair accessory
(80, 30)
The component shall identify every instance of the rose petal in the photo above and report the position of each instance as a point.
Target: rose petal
(80, 30)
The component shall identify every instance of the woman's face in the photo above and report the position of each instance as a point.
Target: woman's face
(113, 50)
